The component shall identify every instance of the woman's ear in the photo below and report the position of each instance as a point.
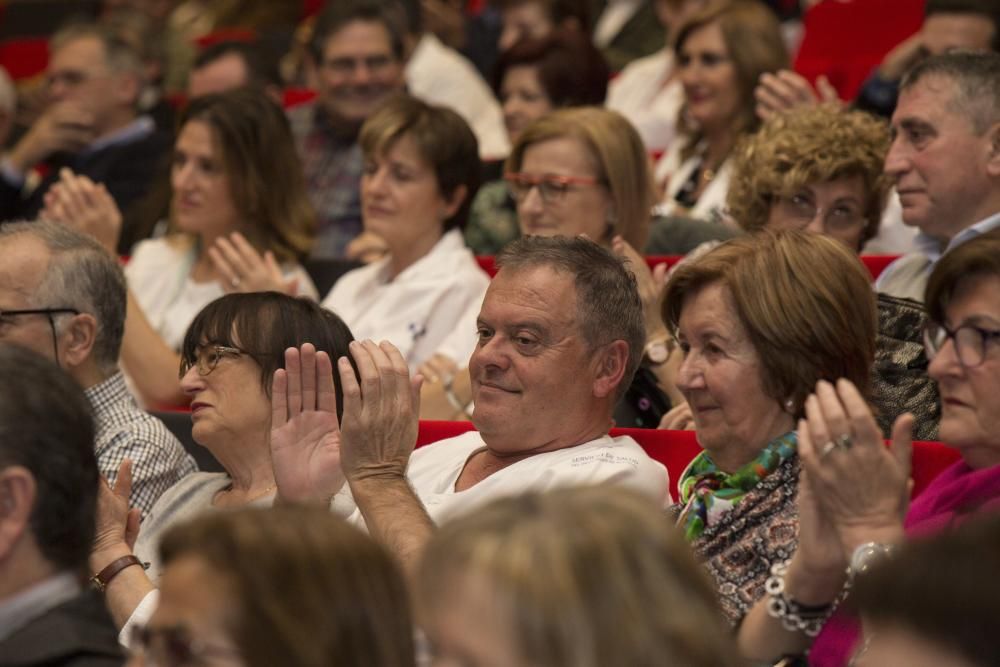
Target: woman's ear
(454, 201)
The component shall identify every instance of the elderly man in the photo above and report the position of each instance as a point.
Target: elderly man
(945, 160)
(63, 296)
(560, 337)
(48, 497)
(355, 63)
(90, 125)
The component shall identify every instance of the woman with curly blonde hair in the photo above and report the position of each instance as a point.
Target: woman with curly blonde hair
(815, 168)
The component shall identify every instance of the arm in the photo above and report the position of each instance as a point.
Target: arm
(446, 391)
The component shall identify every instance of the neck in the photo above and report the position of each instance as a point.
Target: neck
(248, 463)
(719, 144)
(732, 457)
(23, 568)
(115, 123)
(89, 375)
(403, 257)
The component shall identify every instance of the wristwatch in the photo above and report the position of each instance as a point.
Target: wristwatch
(868, 555)
(658, 351)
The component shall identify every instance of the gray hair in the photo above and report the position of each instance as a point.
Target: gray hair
(8, 93)
(977, 80)
(119, 55)
(608, 302)
(81, 274)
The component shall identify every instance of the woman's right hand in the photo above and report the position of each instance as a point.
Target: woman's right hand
(78, 202)
(243, 269)
(117, 525)
(650, 284)
(678, 418)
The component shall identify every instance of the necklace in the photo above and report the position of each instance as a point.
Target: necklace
(259, 494)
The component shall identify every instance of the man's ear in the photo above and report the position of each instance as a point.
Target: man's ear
(128, 88)
(77, 340)
(993, 160)
(311, 68)
(17, 498)
(610, 361)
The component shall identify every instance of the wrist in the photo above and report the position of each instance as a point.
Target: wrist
(814, 585)
(882, 532)
(101, 557)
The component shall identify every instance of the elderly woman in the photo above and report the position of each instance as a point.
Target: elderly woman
(229, 356)
(860, 487)
(287, 586)
(759, 322)
(240, 221)
(574, 578)
(816, 168)
(721, 53)
(532, 78)
(421, 171)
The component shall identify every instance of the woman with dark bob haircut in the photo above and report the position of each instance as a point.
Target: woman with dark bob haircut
(229, 357)
(290, 586)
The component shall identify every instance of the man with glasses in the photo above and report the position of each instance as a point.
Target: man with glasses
(48, 499)
(63, 296)
(91, 126)
(356, 63)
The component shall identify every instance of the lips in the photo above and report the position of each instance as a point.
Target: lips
(491, 386)
(196, 406)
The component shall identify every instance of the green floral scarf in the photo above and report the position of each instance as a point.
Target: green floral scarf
(707, 492)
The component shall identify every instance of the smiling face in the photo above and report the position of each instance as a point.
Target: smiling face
(202, 200)
(970, 397)
(722, 380)
(532, 373)
(582, 209)
(523, 99)
(938, 162)
(711, 89)
(835, 208)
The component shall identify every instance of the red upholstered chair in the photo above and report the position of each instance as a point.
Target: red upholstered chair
(24, 57)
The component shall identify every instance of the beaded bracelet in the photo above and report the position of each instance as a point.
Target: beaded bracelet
(795, 617)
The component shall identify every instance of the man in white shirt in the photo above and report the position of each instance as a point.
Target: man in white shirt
(560, 337)
(945, 160)
(48, 500)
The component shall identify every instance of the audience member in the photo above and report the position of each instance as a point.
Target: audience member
(532, 78)
(721, 53)
(355, 63)
(8, 106)
(537, 18)
(286, 586)
(228, 65)
(90, 125)
(237, 192)
(421, 171)
(857, 504)
(759, 323)
(945, 161)
(559, 335)
(63, 296)
(648, 91)
(625, 30)
(440, 75)
(230, 353)
(575, 577)
(48, 481)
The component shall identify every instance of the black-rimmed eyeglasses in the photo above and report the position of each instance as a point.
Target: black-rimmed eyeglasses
(970, 341)
(50, 313)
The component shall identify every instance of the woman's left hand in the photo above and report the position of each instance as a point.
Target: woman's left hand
(78, 202)
(861, 486)
(243, 269)
(117, 524)
(650, 283)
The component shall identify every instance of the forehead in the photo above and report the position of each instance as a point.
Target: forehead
(946, 31)
(80, 53)
(359, 39)
(930, 100)
(527, 13)
(712, 307)
(977, 295)
(191, 593)
(23, 261)
(563, 156)
(707, 37)
(536, 295)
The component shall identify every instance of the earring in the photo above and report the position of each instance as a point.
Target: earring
(790, 405)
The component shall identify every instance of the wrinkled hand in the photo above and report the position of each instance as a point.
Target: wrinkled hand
(787, 90)
(88, 207)
(243, 269)
(381, 414)
(649, 282)
(65, 126)
(305, 433)
(117, 525)
(367, 247)
(678, 418)
(862, 488)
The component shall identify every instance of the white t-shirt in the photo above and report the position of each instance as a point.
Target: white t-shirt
(641, 94)
(421, 308)
(159, 275)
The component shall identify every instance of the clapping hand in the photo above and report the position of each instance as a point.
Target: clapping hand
(786, 90)
(78, 202)
(117, 525)
(243, 269)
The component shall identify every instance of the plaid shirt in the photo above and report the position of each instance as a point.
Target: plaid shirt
(126, 431)
(332, 165)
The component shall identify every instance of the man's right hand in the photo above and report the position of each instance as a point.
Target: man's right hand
(65, 126)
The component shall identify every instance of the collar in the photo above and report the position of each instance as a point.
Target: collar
(22, 608)
(450, 242)
(931, 247)
(138, 129)
(109, 391)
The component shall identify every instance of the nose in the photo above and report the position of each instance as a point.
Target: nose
(945, 362)
(815, 225)
(531, 204)
(362, 74)
(896, 160)
(689, 374)
(183, 176)
(374, 182)
(490, 354)
(192, 381)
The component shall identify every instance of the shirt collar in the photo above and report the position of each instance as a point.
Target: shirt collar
(27, 605)
(139, 128)
(931, 247)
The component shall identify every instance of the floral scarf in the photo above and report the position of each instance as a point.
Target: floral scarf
(707, 492)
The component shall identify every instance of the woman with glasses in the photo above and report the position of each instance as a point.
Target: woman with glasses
(860, 487)
(722, 51)
(229, 357)
(290, 586)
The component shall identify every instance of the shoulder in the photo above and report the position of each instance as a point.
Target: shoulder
(156, 252)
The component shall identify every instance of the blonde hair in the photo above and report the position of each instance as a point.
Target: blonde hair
(619, 159)
(804, 147)
(582, 578)
(804, 326)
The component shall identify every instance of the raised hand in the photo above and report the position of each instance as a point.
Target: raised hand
(861, 486)
(380, 414)
(649, 282)
(678, 418)
(305, 433)
(64, 126)
(786, 90)
(117, 525)
(88, 207)
(243, 269)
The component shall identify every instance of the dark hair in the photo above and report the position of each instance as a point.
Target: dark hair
(570, 68)
(989, 9)
(46, 427)
(977, 84)
(977, 257)
(265, 324)
(558, 10)
(265, 175)
(945, 589)
(443, 138)
(337, 15)
(308, 589)
(607, 298)
(262, 70)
